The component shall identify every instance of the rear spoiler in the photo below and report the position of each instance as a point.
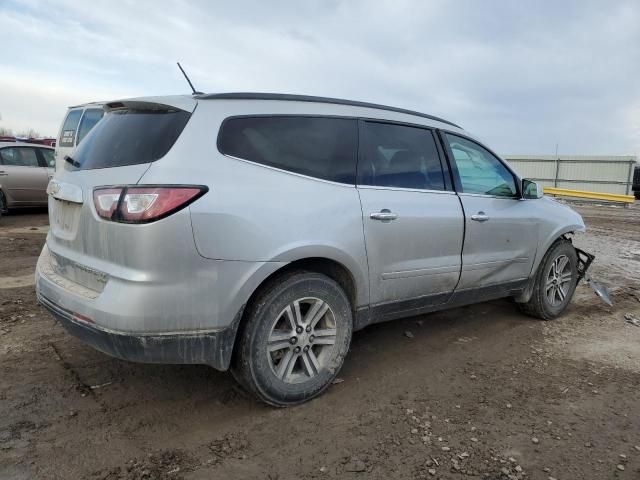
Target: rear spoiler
(178, 102)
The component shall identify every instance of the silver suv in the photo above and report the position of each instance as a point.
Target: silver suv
(256, 232)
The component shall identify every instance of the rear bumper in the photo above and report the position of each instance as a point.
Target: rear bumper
(210, 348)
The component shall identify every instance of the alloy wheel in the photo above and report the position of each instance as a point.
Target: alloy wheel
(558, 280)
(301, 340)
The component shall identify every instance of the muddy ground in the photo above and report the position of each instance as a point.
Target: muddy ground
(475, 392)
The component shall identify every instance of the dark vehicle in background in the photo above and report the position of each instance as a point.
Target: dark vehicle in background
(50, 142)
(636, 182)
(25, 170)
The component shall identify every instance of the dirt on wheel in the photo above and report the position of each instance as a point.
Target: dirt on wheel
(475, 392)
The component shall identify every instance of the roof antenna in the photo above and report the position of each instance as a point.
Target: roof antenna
(190, 84)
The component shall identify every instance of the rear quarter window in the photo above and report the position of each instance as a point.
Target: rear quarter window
(69, 128)
(320, 147)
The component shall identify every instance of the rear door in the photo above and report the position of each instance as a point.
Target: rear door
(501, 236)
(413, 221)
(23, 180)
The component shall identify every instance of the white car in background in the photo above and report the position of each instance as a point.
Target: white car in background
(79, 121)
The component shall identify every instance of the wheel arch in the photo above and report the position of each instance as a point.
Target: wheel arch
(545, 245)
(327, 265)
(563, 233)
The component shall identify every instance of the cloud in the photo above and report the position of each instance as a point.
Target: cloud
(522, 76)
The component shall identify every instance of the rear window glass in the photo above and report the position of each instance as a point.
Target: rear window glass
(19, 157)
(68, 134)
(130, 137)
(315, 146)
(89, 120)
(49, 157)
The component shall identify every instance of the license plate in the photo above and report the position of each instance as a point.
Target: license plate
(64, 217)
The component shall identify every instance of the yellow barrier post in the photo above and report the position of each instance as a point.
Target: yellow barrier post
(610, 197)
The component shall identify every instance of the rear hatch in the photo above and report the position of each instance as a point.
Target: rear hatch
(133, 134)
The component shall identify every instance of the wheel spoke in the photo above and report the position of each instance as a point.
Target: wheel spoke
(551, 295)
(318, 314)
(310, 316)
(309, 365)
(549, 283)
(296, 312)
(566, 277)
(279, 340)
(562, 263)
(288, 312)
(286, 365)
(314, 360)
(561, 293)
(325, 336)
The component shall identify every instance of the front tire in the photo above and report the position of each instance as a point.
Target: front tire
(294, 339)
(555, 282)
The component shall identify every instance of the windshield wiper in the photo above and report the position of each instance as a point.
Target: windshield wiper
(70, 160)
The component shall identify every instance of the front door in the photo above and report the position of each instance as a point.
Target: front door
(413, 222)
(23, 179)
(501, 236)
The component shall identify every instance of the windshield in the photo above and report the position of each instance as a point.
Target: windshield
(130, 137)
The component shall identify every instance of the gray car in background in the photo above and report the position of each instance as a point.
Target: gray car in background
(25, 170)
(257, 231)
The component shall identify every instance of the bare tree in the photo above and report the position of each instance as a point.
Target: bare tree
(29, 133)
(6, 132)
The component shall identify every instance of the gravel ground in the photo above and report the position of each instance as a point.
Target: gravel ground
(475, 392)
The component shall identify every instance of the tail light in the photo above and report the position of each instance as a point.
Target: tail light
(143, 204)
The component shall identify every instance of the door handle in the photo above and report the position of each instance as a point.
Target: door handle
(384, 215)
(480, 217)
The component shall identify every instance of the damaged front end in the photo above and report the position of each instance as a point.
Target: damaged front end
(584, 262)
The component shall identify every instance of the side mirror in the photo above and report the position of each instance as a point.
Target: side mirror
(531, 189)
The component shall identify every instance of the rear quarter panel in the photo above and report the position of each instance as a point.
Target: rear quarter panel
(254, 213)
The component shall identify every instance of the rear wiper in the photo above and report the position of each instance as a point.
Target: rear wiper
(70, 160)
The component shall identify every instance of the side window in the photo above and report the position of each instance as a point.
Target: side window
(399, 156)
(49, 157)
(89, 120)
(19, 157)
(315, 146)
(68, 134)
(480, 171)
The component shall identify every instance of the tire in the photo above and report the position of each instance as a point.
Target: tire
(284, 366)
(3, 204)
(555, 282)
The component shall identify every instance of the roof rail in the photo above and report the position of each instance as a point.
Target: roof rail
(310, 98)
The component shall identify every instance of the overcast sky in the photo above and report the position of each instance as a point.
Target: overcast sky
(522, 76)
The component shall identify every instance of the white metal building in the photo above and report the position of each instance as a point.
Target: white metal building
(594, 173)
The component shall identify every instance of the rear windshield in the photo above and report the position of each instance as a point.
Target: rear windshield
(130, 137)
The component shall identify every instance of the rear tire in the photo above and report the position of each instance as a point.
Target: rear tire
(294, 339)
(3, 204)
(555, 282)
